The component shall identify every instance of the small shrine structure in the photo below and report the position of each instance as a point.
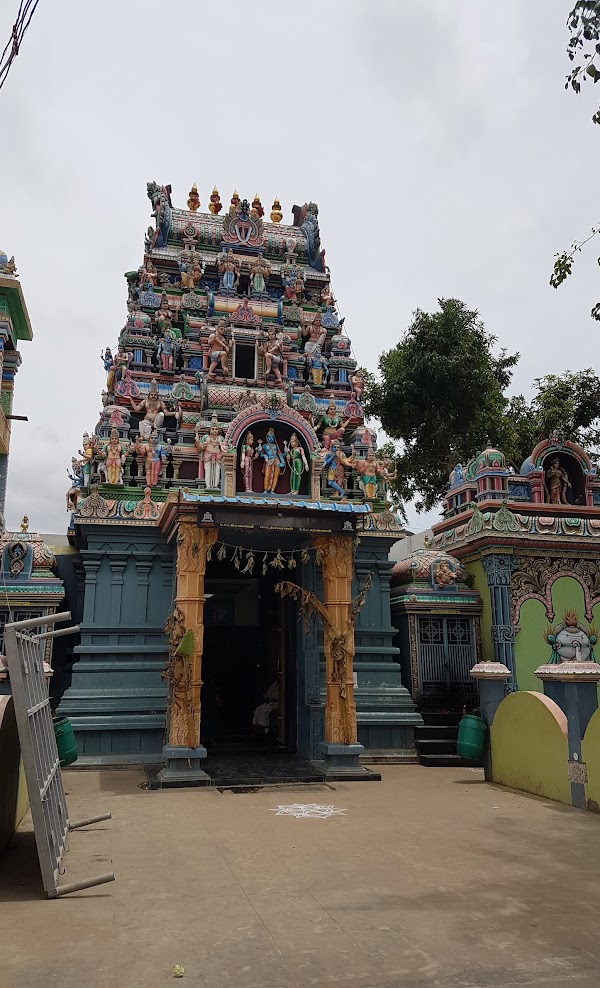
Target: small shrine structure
(528, 541)
(229, 485)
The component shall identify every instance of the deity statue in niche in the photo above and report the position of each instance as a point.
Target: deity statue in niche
(571, 641)
(115, 454)
(249, 454)
(152, 452)
(385, 474)
(272, 348)
(229, 270)
(121, 360)
(332, 424)
(557, 482)
(186, 261)
(260, 270)
(274, 461)
(154, 409)
(218, 349)
(211, 448)
(296, 461)
(333, 468)
(163, 318)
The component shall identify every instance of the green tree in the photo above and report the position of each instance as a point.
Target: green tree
(569, 404)
(583, 49)
(441, 393)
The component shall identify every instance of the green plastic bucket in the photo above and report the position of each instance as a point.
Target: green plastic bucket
(471, 737)
(65, 740)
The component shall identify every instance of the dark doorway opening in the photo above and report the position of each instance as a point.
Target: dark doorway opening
(249, 663)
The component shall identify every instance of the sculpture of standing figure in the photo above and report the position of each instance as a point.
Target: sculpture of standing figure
(76, 478)
(557, 482)
(153, 454)
(218, 349)
(317, 367)
(87, 454)
(260, 269)
(154, 408)
(383, 469)
(185, 269)
(274, 462)
(229, 269)
(107, 360)
(115, 455)
(272, 350)
(121, 361)
(333, 467)
(163, 318)
(249, 454)
(211, 449)
(166, 351)
(296, 461)
(367, 471)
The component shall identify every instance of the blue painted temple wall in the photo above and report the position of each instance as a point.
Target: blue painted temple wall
(120, 590)
(114, 694)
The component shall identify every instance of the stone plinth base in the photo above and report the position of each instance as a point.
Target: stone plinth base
(341, 761)
(183, 767)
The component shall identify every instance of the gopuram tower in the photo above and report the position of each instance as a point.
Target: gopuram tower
(229, 488)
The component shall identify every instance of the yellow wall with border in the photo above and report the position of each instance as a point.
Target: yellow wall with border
(529, 748)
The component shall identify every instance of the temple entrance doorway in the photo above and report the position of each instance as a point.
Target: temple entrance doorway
(248, 665)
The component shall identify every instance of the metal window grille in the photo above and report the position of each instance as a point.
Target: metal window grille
(24, 655)
(446, 654)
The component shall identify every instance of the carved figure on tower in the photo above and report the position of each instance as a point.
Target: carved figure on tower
(332, 424)
(260, 269)
(152, 452)
(114, 454)
(148, 275)
(272, 348)
(249, 454)
(333, 468)
(229, 270)
(154, 411)
(557, 482)
(312, 334)
(296, 461)
(274, 461)
(218, 349)
(162, 211)
(211, 448)
(164, 318)
(167, 351)
(358, 383)
(317, 367)
(292, 279)
(76, 478)
(368, 471)
(87, 454)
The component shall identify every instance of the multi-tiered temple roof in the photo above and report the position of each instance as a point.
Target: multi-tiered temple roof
(232, 329)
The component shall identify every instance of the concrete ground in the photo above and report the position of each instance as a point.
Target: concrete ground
(430, 877)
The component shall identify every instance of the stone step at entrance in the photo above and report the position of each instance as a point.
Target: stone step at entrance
(436, 743)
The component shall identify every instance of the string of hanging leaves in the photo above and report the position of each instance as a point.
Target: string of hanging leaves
(246, 559)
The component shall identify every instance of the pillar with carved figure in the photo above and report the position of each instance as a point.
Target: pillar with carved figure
(340, 748)
(183, 753)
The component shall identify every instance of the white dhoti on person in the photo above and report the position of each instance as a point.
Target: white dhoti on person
(262, 714)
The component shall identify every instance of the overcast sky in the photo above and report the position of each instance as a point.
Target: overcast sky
(435, 135)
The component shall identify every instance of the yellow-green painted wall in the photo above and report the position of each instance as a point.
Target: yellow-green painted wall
(529, 749)
(531, 648)
(480, 584)
(590, 754)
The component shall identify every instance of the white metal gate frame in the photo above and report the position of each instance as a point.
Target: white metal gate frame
(24, 655)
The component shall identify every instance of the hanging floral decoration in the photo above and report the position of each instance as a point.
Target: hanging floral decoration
(245, 559)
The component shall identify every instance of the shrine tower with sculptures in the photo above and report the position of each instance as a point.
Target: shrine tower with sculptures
(231, 512)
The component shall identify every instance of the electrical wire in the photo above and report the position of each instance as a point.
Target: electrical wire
(13, 45)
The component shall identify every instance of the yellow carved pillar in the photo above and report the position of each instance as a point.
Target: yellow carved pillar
(183, 752)
(337, 553)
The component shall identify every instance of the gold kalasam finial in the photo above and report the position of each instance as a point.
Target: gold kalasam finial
(24, 523)
(215, 205)
(193, 202)
(235, 198)
(276, 214)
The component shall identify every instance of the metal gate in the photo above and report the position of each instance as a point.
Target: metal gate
(24, 654)
(445, 656)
